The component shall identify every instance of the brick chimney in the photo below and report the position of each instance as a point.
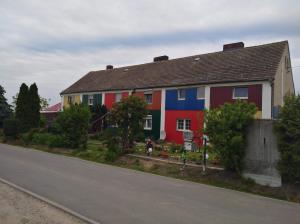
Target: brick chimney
(109, 67)
(233, 46)
(161, 58)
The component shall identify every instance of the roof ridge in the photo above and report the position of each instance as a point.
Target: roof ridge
(192, 56)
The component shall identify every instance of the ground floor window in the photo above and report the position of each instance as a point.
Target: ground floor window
(91, 100)
(71, 99)
(183, 124)
(148, 122)
(118, 97)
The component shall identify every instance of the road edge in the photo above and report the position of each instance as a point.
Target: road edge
(47, 201)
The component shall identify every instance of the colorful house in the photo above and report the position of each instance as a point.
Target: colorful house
(177, 91)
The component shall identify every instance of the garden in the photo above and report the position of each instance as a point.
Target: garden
(122, 136)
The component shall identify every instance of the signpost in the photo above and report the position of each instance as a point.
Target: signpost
(188, 137)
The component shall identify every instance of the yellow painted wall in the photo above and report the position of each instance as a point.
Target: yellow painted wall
(76, 100)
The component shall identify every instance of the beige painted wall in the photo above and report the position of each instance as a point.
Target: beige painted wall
(283, 82)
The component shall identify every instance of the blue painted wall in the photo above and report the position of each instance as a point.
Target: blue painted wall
(190, 103)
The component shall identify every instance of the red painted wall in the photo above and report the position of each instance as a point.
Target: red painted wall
(196, 117)
(156, 99)
(222, 94)
(110, 99)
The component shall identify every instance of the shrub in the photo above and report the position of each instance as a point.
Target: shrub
(73, 125)
(129, 115)
(226, 127)
(10, 127)
(40, 138)
(175, 147)
(27, 137)
(56, 141)
(287, 129)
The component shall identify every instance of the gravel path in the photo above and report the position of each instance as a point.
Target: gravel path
(19, 208)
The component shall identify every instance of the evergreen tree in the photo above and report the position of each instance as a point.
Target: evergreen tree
(22, 108)
(34, 106)
(5, 110)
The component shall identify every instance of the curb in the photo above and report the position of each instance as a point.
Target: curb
(172, 162)
(52, 203)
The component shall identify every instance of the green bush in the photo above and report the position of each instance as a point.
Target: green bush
(112, 154)
(227, 128)
(56, 141)
(27, 137)
(194, 156)
(73, 124)
(175, 148)
(10, 127)
(40, 138)
(287, 129)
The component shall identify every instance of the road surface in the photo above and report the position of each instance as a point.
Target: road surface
(110, 194)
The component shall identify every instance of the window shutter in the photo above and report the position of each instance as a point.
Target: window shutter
(85, 99)
(97, 99)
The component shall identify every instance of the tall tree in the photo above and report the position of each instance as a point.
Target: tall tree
(34, 106)
(22, 108)
(5, 109)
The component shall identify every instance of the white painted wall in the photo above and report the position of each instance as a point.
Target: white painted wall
(162, 112)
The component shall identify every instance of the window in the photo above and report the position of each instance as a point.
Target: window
(200, 93)
(148, 123)
(118, 97)
(91, 100)
(183, 124)
(148, 98)
(71, 99)
(181, 94)
(240, 93)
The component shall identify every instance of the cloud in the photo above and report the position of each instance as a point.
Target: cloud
(54, 43)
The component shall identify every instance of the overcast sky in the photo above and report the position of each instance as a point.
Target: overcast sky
(54, 43)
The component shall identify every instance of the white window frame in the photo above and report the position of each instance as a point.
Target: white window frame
(146, 127)
(145, 94)
(236, 97)
(200, 98)
(118, 100)
(184, 124)
(178, 94)
(71, 99)
(90, 100)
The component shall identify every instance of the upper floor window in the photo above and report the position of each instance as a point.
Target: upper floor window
(240, 93)
(181, 94)
(183, 124)
(148, 122)
(201, 93)
(148, 98)
(71, 99)
(118, 97)
(91, 100)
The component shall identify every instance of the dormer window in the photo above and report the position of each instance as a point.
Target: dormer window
(181, 94)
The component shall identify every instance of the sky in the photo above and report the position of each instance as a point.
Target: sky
(54, 43)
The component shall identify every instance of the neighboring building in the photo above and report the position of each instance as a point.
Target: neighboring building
(177, 91)
(50, 113)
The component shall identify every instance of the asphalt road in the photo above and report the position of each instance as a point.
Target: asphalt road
(110, 194)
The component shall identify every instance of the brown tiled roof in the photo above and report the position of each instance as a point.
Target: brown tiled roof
(255, 63)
